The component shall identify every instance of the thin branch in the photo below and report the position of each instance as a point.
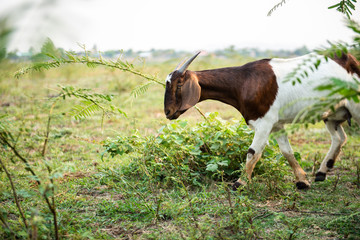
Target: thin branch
(276, 7)
(14, 193)
(48, 129)
(28, 167)
(119, 65)
(52, 208)
(312, 212)
(201, 113)
(336, 181)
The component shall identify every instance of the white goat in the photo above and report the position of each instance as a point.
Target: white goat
(258, 91)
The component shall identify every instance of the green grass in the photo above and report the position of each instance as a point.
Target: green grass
(126, 197)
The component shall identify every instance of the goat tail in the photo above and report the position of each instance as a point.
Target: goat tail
(348, 62)
(354, 64)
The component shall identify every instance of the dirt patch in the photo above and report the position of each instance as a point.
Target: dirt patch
(121, 231)
(101, 194)
(74, 175)
(133, 232)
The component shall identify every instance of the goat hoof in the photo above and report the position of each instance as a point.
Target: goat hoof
(302, 185)
(320, 176)
(236, 185)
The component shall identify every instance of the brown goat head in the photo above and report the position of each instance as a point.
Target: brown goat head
(182, 90)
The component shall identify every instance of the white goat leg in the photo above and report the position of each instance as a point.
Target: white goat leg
(262, 131)
(338, 139)
(300, 175)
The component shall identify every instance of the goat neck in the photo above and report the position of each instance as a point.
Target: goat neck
(217, 84)
(251, 88)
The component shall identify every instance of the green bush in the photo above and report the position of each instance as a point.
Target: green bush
(213, 148)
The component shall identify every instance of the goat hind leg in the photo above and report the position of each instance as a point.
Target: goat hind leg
(338, 139)
(354, 109)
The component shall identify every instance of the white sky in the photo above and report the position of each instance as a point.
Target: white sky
(183, 25)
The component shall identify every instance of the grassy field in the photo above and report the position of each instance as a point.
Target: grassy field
(158, 185)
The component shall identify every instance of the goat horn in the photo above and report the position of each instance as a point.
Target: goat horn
(179, 65)
(188, 62)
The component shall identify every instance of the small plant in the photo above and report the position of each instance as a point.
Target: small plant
(291, 228)
(242, 219)
(348, 226)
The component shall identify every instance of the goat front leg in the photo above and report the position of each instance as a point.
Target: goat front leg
(254, 153)
(300, 175)
(338, 139)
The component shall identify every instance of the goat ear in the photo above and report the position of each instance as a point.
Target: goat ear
(190, 94)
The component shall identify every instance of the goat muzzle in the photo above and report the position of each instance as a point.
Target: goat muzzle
(175, 115)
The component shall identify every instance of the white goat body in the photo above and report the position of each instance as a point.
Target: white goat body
(293, 98)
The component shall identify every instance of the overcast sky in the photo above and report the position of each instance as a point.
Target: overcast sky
(183, 25)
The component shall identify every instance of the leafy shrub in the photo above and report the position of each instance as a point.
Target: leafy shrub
(213, 148)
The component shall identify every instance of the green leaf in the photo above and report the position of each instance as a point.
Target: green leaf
(297, 156)
(317, 63)
(223, 163)
(355, 98)
(334, 6)
(212, 167)
(339, 52)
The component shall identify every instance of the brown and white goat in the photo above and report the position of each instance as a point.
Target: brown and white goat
(258, 91)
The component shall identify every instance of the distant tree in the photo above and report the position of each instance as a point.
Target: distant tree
(32, 51)
(129, 53)
(301, 51)
(230, 51)
(5, 31)
(48, 50)
(13, 54)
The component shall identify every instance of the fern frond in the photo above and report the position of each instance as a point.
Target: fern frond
(90, 102)
(86, 109)
(139, 90)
